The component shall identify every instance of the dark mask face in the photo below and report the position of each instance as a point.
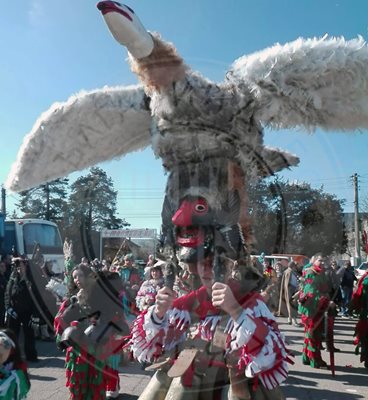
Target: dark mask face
(192, 211)
(190, 221)
(201, 205)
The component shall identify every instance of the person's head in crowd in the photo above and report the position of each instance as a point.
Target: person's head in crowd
(292, 265)
(206, 271)
(20, 266)
(156, 271)
(318, 260)
(151, 260)
(82, 278)
(9, 348)
(105, 266)
(279, 268)
(334, 264)
(84, 261)
(96, 265)
(266, 264)
(128, 260)
(347, 264)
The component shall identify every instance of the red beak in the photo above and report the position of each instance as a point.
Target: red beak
(183, 216)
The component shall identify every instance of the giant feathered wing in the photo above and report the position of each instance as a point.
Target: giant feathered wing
(88, 128)
(308, 83)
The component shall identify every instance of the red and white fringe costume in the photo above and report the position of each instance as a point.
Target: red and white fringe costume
(254, 339)
(88, 377)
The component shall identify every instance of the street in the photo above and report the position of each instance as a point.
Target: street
(304, 382)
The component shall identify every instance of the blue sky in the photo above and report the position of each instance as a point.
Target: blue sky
(51, 50)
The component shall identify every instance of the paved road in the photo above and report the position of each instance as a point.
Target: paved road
(303, 383)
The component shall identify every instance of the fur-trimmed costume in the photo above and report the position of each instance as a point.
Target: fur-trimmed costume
(253, 352)
(359, 304)
(147, 293)
(314, 303)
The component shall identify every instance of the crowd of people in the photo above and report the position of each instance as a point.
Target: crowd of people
(110, 307)
(319, 292)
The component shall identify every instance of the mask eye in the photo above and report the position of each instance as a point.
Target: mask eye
(201, 207)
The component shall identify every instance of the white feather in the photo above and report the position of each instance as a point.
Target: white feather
(88, 128)
(308, 83)
(57, 287)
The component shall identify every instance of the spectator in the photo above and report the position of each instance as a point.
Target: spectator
(19, 305)
(334, 277)
(270, 293)
(147, 292)
(132, 282)
(3, 282)
(334, 293)
(106, 265)
(339, 270)
(96, 265)
(147, 270)
(279, 269)
(288, 288)
(85, 261)
(347, 285)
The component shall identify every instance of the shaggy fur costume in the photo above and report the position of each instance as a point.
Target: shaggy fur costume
(307, 83)
(192, 122)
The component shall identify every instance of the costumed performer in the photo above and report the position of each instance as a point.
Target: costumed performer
(90, 326)
(212, 337)
(359, 304)
(313, 303)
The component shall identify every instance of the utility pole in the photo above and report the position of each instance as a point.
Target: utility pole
(356, 219)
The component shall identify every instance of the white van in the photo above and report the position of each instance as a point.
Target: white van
(21, 236)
